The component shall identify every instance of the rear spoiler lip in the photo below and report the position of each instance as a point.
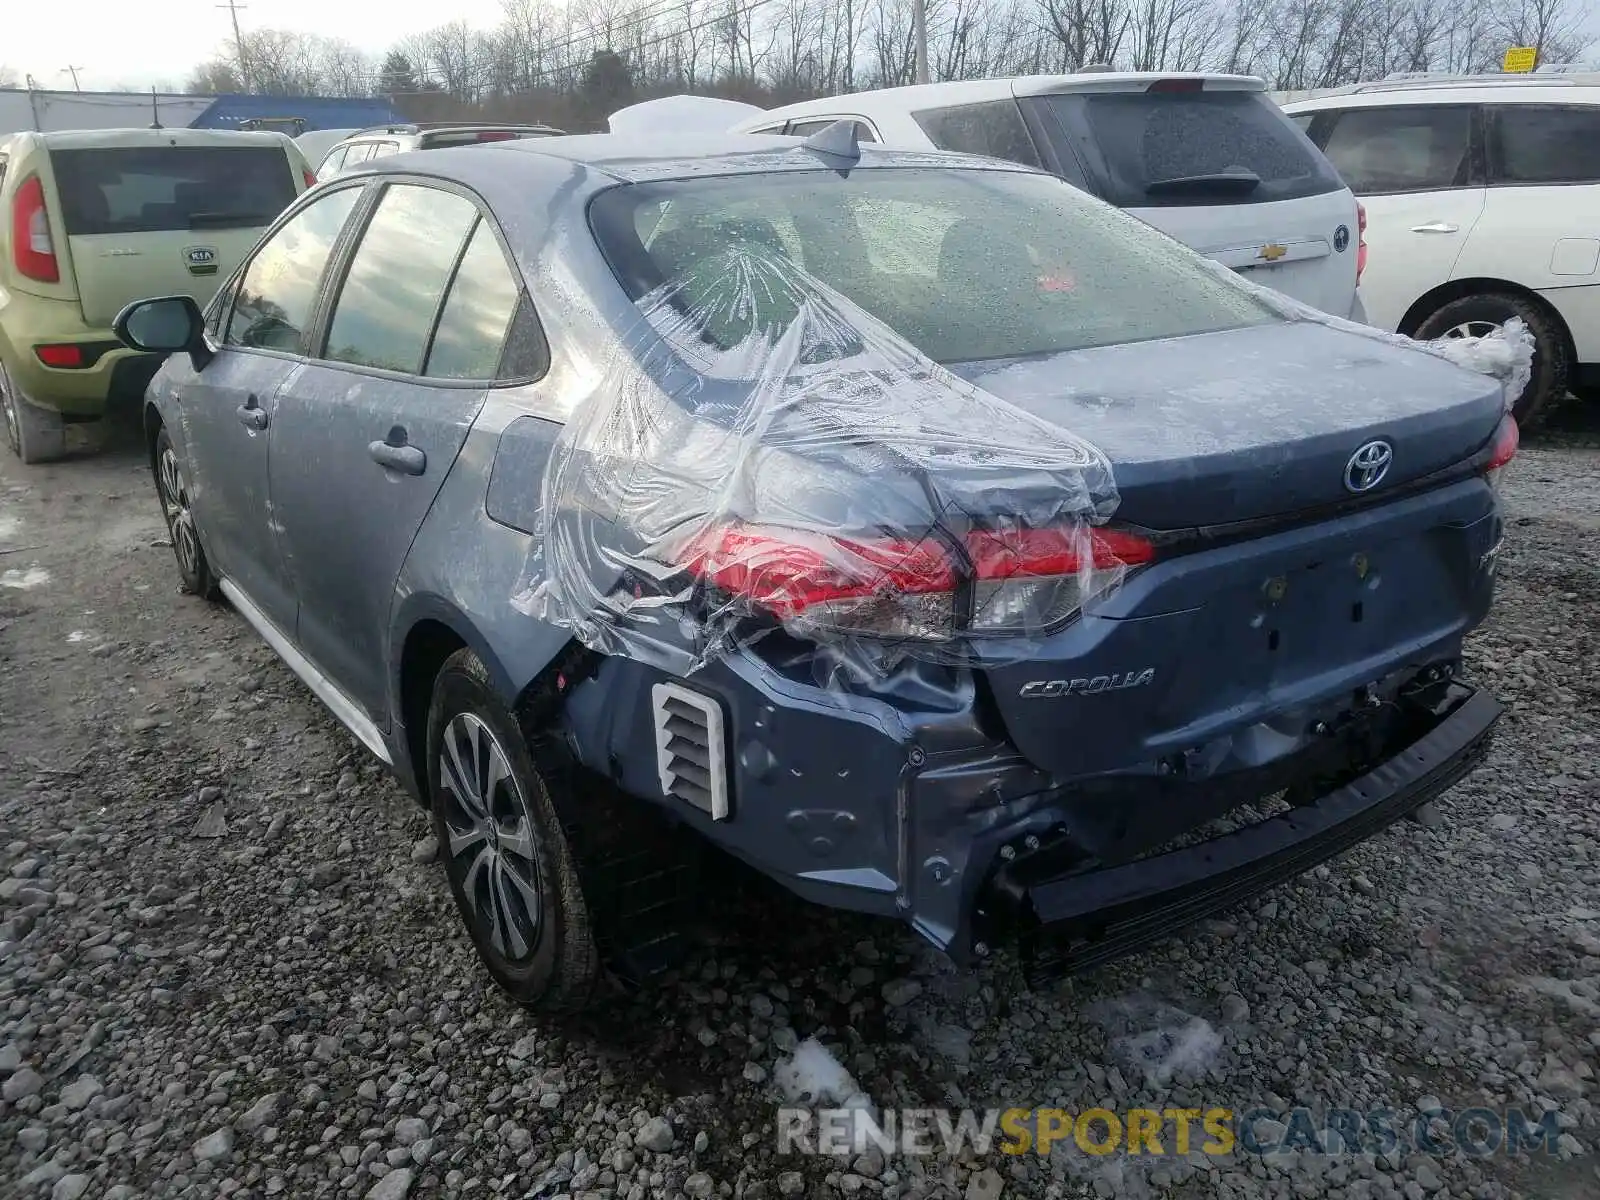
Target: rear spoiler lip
(1130, 83)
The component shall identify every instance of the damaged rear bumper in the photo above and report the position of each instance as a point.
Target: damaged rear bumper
(1068, 921)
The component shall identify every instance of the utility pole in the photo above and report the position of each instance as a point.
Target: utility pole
(238, 40)
(73, 71)
(919, 32)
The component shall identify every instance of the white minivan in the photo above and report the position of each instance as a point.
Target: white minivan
(1208, 159)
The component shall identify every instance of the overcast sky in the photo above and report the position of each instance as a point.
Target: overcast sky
(138, 43)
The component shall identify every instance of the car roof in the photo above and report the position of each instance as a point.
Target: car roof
(103, 139)
(976, 91)
(1456, 89)
(629, 158)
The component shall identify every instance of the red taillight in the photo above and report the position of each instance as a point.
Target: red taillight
(32, 249)
(64, 355)
(496, 135)
(1177, 85)
(311, 179)
(1008, 553)
(1023, 579)
(1361, 244)
(788, 571)
(1506, 439)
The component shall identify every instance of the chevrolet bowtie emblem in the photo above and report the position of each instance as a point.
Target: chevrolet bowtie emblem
(1272, 253)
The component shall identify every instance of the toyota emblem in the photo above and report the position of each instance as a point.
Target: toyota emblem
(1368, 466)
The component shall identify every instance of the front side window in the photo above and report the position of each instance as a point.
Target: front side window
(477, 313)
(1538, 143)
(152, 189)
(386, 307)
(963, 264)
(278, 290)
(994, 130)
(1418, 149)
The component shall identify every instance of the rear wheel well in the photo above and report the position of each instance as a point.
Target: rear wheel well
(1457, 289)
(428, 645)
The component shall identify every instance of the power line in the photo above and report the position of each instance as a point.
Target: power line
(233, 8)
(666, 37)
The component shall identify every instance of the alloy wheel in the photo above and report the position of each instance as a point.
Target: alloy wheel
(1472, 329)
(175, 506)
(490, 837)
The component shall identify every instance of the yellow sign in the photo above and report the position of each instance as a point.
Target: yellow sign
(1520, 60)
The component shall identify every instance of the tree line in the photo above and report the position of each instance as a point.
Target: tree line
(573, 64)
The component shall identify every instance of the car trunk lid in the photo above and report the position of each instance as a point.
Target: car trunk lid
(164, 219)
(1253, 423)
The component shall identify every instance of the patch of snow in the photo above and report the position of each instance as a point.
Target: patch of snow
(31, 578)
(1158, 1040)
(9, 526)
(77, 635)
(814, 1076)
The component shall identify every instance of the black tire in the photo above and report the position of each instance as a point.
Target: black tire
(34, 434)
(1551, 364)
(172, 492)
(547, 960)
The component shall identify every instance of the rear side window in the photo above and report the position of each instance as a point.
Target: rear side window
(390, 296)
(279, 287)
(477, 313)
(334, 161)
(1536, 143)
(1418, 149)
(1162, 149)
(152, 189)
(994, 129)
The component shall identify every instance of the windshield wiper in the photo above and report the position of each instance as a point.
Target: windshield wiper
(1228, 183)
(220, 220)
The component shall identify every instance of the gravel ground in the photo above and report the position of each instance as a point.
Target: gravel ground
(227, 967)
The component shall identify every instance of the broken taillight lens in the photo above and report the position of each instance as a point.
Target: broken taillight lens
(1022, 579)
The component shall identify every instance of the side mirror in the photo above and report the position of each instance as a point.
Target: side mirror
(165, 325)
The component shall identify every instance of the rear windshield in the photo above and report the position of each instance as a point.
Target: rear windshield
(965, 264)
(149, 189)
(1159, 149)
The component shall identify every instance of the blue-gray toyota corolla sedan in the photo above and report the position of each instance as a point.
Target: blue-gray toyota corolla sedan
(929, 535)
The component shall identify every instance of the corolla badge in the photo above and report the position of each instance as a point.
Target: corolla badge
(1093, 685)
(1341, 238)
(1367, 466)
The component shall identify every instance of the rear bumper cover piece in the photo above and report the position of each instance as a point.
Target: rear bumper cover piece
(1072, 922)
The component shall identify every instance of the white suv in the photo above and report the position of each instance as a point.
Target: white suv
(1208, 159)
(1482, 197)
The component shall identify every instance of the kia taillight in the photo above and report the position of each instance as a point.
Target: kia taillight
(1177, 85)
(32, 250)
(497, 135)
(1020, 579)
(1361, 243)
(1503, 449)
(311, 179)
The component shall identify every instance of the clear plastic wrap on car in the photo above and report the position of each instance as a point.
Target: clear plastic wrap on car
(822, 479)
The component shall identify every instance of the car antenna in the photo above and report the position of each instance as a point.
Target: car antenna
(837, 140)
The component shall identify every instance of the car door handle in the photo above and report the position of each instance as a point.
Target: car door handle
(251, 414)
(1436, 227)
(395, 453)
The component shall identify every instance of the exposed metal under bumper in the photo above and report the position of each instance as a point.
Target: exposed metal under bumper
(1089, 918)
